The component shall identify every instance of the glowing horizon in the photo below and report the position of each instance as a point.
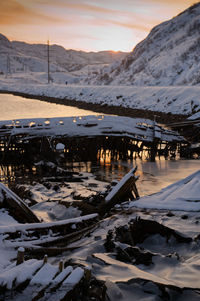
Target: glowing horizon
(89, 25)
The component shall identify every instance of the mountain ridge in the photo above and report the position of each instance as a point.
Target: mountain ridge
(33, 57)
(169, 55)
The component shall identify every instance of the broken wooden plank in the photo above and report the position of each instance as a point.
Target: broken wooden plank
(125, 188)
(18, 274)
(54, 247)
(62, 226)
(56, 283)
(16, 206)
(70, 286)
(49, 238)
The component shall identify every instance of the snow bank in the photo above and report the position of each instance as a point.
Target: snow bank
(182, 195)
(175, 100)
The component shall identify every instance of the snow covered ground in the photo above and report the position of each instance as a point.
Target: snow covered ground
(174, 264)
(182, 195)
(175, 100)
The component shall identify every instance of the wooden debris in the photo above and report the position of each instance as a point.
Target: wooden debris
(83, 138)
(45, 259)
(20, 255)
(49, 238)
(125, 189)
(17, 208)
(44, 281)
(60, 266)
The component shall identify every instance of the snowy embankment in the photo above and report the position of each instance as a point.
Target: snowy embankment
(175, 100)
(182, 195)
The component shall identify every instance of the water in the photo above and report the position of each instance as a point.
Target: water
(16, 107)
(153, 175)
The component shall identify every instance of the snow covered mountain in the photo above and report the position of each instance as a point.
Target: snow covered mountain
(168, 56)
(70, 60)
(21, 56)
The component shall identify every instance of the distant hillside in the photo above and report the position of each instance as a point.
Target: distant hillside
(21, 56)
(170, 55)
(70, 60)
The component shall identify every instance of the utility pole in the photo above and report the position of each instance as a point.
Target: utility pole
(8, 71)
(48, 64)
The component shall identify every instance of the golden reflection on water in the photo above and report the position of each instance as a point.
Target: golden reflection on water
(17, 107)
(153, 176)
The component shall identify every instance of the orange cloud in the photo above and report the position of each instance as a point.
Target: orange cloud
(14, 12)
(86, 24)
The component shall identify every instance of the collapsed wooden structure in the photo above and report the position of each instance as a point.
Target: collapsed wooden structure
(86, 137)
(34, 279)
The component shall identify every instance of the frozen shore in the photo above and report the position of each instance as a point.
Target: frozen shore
(167, 103)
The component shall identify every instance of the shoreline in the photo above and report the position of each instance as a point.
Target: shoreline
(161, 117)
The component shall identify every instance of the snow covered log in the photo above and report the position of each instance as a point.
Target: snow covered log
(49, 238)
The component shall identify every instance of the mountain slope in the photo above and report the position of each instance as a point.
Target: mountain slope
(168, 56)
(21, 56)
(70, 60)
(14, 60)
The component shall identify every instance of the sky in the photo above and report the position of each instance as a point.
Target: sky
(89, 25)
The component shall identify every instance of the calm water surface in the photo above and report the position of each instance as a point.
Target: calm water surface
(17, 107)
(153, 175)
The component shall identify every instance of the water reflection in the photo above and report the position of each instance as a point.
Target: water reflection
(153, 175)
(17, 107)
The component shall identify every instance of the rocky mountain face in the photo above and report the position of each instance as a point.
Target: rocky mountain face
(170, 55)
(22, 56)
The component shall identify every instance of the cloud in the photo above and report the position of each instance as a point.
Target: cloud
(15, 12)
(91, 21)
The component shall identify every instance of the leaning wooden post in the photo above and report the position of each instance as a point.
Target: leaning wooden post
(20, 255)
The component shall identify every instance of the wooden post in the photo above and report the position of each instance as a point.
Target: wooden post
(20, 255)
(60, 266)
(48, 64)
(45, 259)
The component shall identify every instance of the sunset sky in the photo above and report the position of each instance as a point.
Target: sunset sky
(90, 25)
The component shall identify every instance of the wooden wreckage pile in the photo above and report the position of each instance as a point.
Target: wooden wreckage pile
(191, 130)
(87, 138)
(36, 279)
